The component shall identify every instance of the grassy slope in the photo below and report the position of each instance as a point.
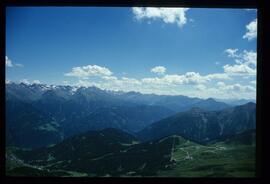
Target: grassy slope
(188, 159)
(217, 160)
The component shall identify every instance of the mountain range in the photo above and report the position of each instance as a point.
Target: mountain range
(46, 114)
(203, 126)
(110, 133)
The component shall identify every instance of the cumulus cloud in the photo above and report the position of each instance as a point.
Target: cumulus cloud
(223, 76)
(8, 62)
(158, 70)
(221, 84)
(85, 83)
(167, 15)
(222, 90)
(114, 83)
(88, 71)
(153, 80)
(109, 77)
(231, 52)
(193, 78)
(171, 84)
(187, 78)
(236, 87)
(25, 81)
(36, 82)
(228, 91)
(246, 62)
(241, 69)
(130, 80)
(250, 58)
(251, 30)
(200, 87)
(165, 84)
(246, 57)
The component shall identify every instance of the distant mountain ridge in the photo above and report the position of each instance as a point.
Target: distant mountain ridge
(57, 112)
(204, 126)
(235, 102)
(177, 103)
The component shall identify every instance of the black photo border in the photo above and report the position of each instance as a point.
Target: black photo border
(263, 81)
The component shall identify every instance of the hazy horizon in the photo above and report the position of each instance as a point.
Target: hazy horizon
(121, 91)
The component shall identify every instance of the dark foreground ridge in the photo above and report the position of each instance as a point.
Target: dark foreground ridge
(112, 152)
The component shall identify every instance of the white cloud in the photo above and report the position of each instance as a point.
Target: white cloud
(174, 85)
(241, 69)
(242, 88)
(171, 79)
(155, 80)
(250, 57)
(109, 77)
(194, 78)
(200, 87)
(246, 57)
(231, 52)
(222, 76)
(25, 81)
(170, 84)
(246, 62)
(174, 79)
(36, 82)
(8, 62)
(88, 71)
(168, 15)
(231, 91)
(188, 78)
(166, 80)
(253, 82)
(85, 83)
(159, 85)
(130, 80)
(251, 30)
(221, 84)
(235, 87)
(221, 90)
(159, 70)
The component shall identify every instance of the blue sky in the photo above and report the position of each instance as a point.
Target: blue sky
(193, 52)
